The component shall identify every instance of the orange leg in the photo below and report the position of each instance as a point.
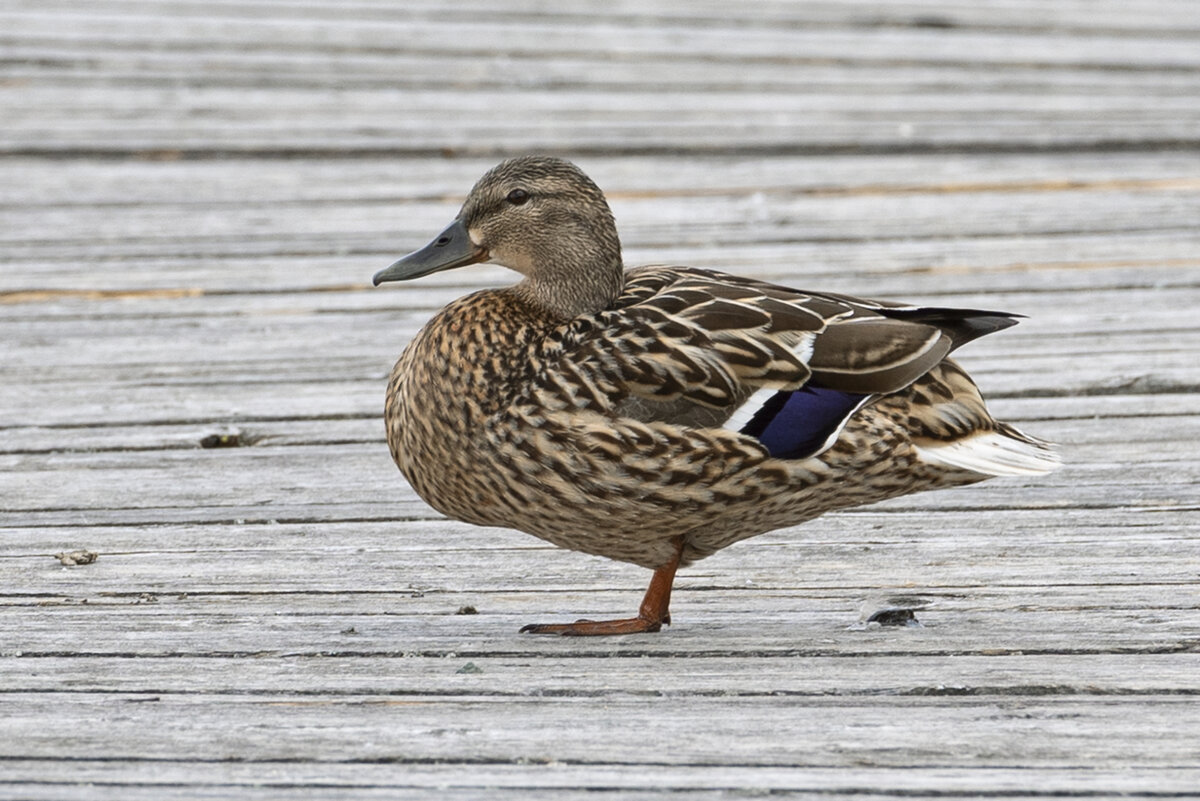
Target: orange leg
(653, 612)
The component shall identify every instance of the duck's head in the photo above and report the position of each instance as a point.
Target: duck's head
(541, 217)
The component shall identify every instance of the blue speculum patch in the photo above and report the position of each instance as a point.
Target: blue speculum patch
(795, 424)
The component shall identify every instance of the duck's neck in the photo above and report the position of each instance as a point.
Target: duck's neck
(564, 288)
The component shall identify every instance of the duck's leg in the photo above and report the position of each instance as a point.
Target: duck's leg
(654, 611)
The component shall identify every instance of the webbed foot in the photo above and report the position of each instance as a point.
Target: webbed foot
(652, 614)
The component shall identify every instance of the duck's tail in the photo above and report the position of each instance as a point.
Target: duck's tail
(1002, 452)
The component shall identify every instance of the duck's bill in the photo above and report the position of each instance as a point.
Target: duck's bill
(452, 248)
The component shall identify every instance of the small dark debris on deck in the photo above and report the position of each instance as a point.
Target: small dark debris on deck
(231, 439)
(74, 558)
(896, 610)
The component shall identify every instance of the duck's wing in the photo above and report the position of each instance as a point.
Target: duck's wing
(789, 368)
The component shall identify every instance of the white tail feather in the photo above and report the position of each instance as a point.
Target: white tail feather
(993, 454)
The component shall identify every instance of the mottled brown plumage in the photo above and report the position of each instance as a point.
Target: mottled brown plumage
(658, 415)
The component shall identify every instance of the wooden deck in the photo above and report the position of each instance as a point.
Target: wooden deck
(193, 198)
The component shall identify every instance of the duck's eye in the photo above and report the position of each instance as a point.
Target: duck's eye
(517, 197)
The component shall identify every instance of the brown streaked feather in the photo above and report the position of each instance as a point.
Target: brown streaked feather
(685, 338)
(875, 355)
(945, 404)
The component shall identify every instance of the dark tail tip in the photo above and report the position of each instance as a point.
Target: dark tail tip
(963, 325)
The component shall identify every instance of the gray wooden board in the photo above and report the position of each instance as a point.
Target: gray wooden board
(915, 75)
(194, 198)
(542, 779)
(1019, 204)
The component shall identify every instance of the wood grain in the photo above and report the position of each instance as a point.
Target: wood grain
(194, 198)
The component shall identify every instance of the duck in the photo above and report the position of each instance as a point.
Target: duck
(659, 414)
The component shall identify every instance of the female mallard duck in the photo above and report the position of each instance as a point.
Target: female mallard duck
(656, 416)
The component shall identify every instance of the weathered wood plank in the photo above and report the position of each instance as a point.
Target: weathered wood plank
(846, 676)
(556, 37)
(536, 778)
(1044, 582)
(307, 182)
(889, 548)
(212, 405)
(939, 84)
(795, 237)
(536, 33)
(356, 481)
(1162, 17)
(1172, 413)
(1124, 328)
(904, 519)
(804, 732)
(743, 625)
(279, 619)
(795, 205)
